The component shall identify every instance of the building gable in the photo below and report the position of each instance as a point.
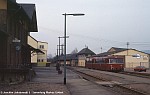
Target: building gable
(115, 49)
(31, 13)
(111, 50)
(86, 52)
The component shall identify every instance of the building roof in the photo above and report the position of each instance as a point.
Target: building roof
(29, 9)
(69, 57)
(31, 13)
(35, 50)
(116, 50)
(74, 56)
(104, 54)
(86, 51)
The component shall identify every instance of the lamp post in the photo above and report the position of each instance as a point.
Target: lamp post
(76, 14)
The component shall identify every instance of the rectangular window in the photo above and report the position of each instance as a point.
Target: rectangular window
(116, 60)
(38, 60)
(41, 46)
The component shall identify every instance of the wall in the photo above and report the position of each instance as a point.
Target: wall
(42, 58)
(32, 42)
(3, 15)
(81, 60)
(3, 4)
(3, 49)
(131, 62)
(67, 62)
(81, 63)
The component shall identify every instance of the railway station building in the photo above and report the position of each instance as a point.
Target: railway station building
(85, 52)
(16, 23)
(76, 59)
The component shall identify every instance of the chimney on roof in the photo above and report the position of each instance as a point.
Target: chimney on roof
(86, 46)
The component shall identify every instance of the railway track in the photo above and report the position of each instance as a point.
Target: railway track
(117, 88)
(143, 75)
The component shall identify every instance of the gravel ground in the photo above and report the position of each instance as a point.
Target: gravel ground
(34, 89)
(136, 83)
(140, 87)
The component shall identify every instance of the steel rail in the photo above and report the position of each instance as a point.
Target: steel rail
(114, 87)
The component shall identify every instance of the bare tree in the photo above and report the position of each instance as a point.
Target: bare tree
(49, 57)
(74, 51)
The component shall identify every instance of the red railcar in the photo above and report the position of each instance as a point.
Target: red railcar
(107, 63)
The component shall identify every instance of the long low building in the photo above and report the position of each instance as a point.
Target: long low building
(133, 57)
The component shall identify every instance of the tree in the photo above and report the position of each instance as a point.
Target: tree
(49, 57)
(74, 51)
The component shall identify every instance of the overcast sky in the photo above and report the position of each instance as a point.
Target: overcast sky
(106, 24)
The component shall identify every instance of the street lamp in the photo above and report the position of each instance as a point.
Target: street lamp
(76, 14)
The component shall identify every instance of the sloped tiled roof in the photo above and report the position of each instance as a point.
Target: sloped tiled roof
(69, 57)
(116, 49)
(86, 51)
(104, 54)
(119, 49)
(29, 9)
(31, 13)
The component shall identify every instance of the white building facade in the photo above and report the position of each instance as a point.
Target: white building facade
(42, 58)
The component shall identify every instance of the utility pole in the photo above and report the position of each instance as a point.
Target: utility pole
(101, 49)
(58, 63)
(59, 43)
(62, 52)
(57, 58)
(58, 53)
(127, 47)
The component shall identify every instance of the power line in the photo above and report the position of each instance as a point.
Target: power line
(82, 36)
(104, 42)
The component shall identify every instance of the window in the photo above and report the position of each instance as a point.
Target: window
(116, 60)
(38, 60)
(41, 46)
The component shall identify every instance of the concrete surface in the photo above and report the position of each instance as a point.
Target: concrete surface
(75, 84)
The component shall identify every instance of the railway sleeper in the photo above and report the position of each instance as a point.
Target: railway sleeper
(131, 89)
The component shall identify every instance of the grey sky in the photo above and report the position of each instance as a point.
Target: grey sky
(106, 23)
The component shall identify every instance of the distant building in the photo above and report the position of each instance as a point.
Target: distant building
(86, 52)
(42, 58)
(71, 59)
(33, 44)
(74, 59)
(133, 57)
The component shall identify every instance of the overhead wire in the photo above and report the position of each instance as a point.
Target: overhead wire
(105, 43)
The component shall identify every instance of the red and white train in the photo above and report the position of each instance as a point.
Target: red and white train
(106, 63)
